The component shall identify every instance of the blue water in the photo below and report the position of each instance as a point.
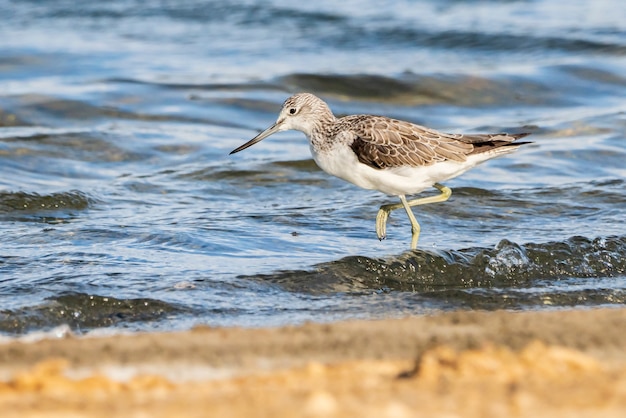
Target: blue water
(120, 206)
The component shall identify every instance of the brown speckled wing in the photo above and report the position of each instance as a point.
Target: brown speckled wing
(384, 143)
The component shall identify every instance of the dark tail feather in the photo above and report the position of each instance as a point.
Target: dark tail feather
(520, 135)
(500, 144)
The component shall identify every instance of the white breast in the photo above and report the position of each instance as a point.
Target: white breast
(340, 161)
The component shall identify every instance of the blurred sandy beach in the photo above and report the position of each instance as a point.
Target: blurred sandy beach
(470, 364)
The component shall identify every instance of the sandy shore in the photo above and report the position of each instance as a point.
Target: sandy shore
(469, 364)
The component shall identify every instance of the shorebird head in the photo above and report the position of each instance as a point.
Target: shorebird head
(301, 112)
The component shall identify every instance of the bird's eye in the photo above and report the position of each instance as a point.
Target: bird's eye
(292, 111)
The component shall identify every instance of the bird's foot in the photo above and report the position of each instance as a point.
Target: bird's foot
(381, 222)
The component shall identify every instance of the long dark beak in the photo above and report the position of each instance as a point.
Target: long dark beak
(260, 137)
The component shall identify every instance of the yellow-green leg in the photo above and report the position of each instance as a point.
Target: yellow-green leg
(415, 226)
(385, 210)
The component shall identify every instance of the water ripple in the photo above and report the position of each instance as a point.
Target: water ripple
(506, 265)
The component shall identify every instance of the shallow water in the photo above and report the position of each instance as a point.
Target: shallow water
(120, 206)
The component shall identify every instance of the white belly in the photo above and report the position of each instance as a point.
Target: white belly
(343, 163)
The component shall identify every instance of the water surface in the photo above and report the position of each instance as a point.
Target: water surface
(120, 206)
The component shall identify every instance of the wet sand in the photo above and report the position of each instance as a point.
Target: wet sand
(470, 364)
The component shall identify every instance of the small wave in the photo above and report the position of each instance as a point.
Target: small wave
(33, 205)
(9, 119)
(43, 114)
(185, 85)
(412, 89)
(508, 265)
(83, 312)
(484, 41)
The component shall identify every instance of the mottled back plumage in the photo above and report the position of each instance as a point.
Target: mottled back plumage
(382, 142)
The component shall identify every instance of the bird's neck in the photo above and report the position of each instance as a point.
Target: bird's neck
(322, 131)
(324, 121)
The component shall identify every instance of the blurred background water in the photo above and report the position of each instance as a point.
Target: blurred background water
(120, 206)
